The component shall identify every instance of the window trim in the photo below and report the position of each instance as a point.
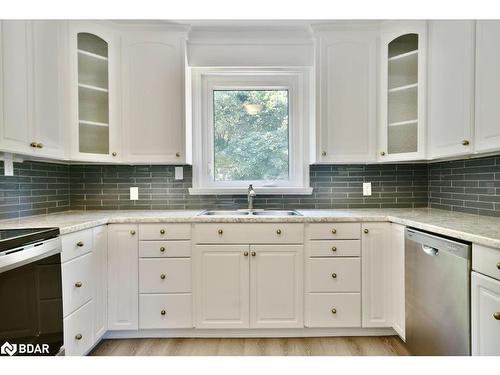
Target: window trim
(207, 80)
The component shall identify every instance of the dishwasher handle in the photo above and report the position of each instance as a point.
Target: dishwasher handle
(430, 250)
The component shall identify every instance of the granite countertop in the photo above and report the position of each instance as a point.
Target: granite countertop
(478, 229)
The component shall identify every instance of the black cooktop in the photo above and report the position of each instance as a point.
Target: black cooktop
(13, 238)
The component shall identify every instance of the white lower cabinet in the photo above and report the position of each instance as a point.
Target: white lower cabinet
(333, 310)
(158, 311)
(78, 331)
(398, 279)
(100, 277)
(485, 315)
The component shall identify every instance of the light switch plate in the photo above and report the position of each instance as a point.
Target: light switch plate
(367, 188)
(179, 173)
(134, 193)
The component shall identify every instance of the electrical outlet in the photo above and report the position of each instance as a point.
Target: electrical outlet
(367, 188)
(8, 165)
(134, 193)
(179, 173)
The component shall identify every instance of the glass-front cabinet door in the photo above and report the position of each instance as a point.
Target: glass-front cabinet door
(94, 108)
(402, 125)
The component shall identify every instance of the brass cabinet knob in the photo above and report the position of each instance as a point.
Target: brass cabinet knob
(334, 231)
(278, 232)
(465, 142)
(334, 275)
(162, 276)
(80, 244)
(39, 145)
(78, 336)
(162, 249)
(114, 154)
(162, 231)
(220, 231)
(78, 284)
(497, 315)
(163, 312)
(132, 232)
(323, 153)
(334, 248)
(334, 311)
(177, 154)
(382, 153)
(245, 253)
(33, 144)
(366, 231)
(498, 265)
(254, 253)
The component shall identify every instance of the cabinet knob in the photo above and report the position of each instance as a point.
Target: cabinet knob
(39, 145)
(497, 315)
(465, 142)
(132, 232)
(78, 284)
(382, 153)
(78, 336)
(278, 232)
(498, 265)
(177, 154)
(80, 244)
(114, 154)
(334, 311)
(33, 144)
(323, 153)
(162, 276)
(365, 231)
(254, 253)
(334, 231)
(334, 275)
(245, 253)
(220, 231)
(334, 248)
(162, 249)
(163, 312)
(162, 231)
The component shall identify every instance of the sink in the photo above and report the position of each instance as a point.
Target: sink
(250, 213)
(224, 213)
(276, 213)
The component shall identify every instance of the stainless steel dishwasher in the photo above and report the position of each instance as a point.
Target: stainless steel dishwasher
(437, 288)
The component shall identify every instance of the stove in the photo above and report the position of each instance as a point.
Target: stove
(13, 239)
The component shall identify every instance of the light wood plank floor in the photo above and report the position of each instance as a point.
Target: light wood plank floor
(317, 346)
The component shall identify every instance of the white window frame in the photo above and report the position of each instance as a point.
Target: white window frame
(207, 80)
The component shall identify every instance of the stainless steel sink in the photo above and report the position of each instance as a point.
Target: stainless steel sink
(276, 213)
(224, 213)
(250, 213)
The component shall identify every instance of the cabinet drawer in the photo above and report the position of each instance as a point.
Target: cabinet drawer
(336, 248)
(335, 231)
(164, 249)
(165, 231)
(78, 337)
(333, 310)
(76, 244)
(486, 260)
(267, 233)
(164, 275)
(334, 275)
(165, 311)
(77, 283)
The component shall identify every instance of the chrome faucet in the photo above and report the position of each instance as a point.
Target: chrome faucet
(251, 196)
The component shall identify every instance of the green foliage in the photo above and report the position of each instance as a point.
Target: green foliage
(251, 146)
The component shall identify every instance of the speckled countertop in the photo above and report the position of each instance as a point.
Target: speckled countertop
(478, 229)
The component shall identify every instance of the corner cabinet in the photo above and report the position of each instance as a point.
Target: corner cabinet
(94, 92)
(346, 80)
(402, 96)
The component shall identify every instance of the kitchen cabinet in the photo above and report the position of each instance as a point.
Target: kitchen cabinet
(123, 277)
(376, 271)
(100, 278)
(33, 88)
(346, 81)
(450, 96)
(485, 315)
(153, 65)
(94, 92)
(402, 91)
(487, 111)
(398, 278)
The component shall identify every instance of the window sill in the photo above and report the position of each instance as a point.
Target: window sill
(258, 190)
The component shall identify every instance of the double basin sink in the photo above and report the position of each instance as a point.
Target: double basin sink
(250, 213)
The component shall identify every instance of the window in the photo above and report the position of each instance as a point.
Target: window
(250, 127)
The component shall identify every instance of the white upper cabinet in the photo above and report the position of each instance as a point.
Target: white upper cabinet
(402, 91)
(487, 128)
(346, 96)
(450, 97)
(153, 64)
(33, 88)
(94, 92)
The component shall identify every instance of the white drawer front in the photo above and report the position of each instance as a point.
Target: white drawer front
(165, 311)
(265, 233)
(165, 275)
(164, 249)
(334, 275)
(333, 310)
(486, 260)
(335, 231)
(76, 244)
(165, 231)
(335, 248)
(78, 337)
(77, 283)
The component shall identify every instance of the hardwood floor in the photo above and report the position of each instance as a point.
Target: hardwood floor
(317, 346)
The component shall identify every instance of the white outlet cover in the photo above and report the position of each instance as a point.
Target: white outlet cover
(8, 165)
(179, 173)
(134, 193)
(367, 188)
